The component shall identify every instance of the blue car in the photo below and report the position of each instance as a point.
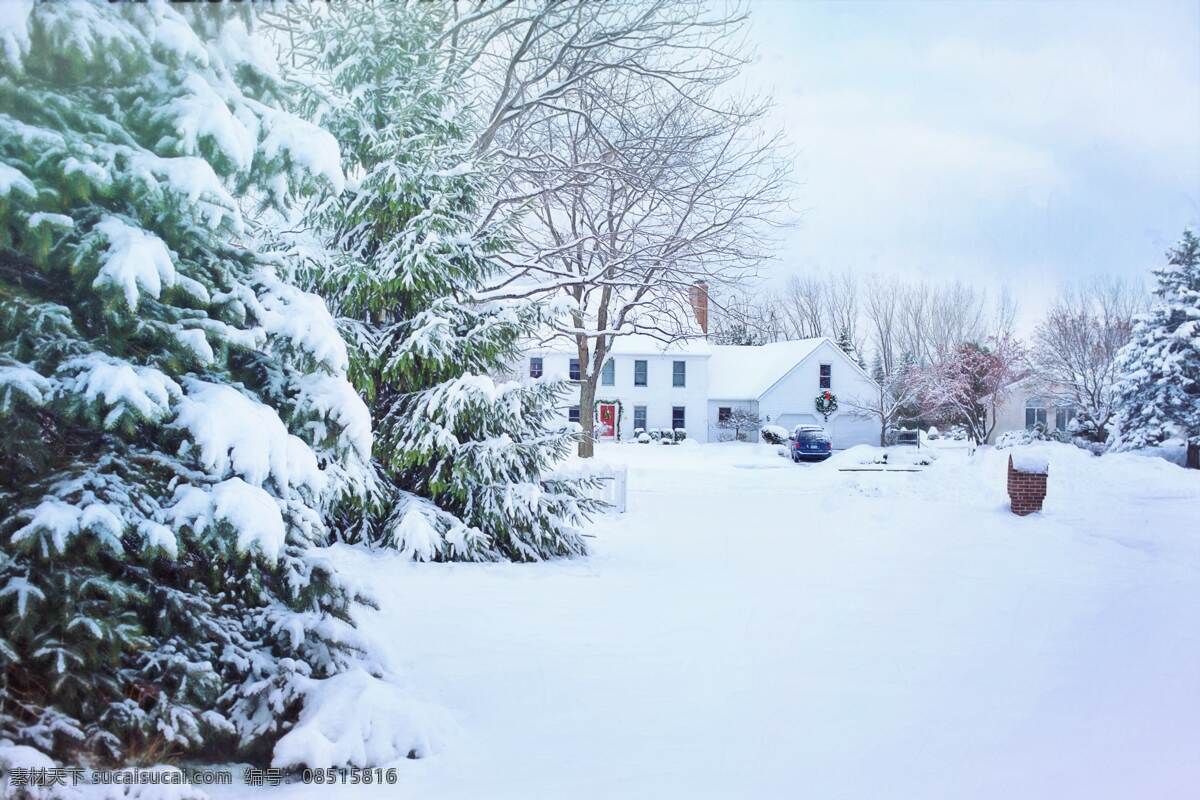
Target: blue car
(810, 443)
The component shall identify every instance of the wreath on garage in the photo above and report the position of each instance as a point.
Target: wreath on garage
(620, 412)
(826, 404)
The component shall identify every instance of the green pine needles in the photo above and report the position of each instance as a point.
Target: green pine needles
(462, 456)
(175, 417)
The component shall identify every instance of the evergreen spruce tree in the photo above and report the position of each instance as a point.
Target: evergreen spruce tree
(461, 456)
(174, 414)
(1159, 396)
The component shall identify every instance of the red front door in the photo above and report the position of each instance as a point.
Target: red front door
(608, 420)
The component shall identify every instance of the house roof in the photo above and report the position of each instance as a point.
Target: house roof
(636, 344)
(745, 372)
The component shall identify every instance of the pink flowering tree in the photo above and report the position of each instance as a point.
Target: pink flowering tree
(970, 381)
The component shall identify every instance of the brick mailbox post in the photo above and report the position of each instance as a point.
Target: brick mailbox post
(1027, 485)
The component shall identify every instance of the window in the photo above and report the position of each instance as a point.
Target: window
(724, 413)
(608, 375)
(574, 369)
(1063, 417)
(679, 373)
(678, 420)
(639, 373)
(573, 414)
(826, 376)
(639, 417)
(535, 368)
(1035, 413)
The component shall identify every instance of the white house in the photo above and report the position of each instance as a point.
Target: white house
(1030, 403)
(694, 385)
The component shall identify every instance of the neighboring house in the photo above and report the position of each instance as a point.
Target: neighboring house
(1029, 403)
(694, 385)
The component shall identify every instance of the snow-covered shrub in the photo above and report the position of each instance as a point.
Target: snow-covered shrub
(644, 438)
(742, 422)
(680, 434)
(637, 432)
(932, 433)
(655, 434)
(176, 416)
(774, 434)
(462, 458)
(1023, 437)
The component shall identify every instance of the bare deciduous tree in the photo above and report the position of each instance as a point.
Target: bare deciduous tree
(1075, 348)
(633, 180)
(896, 391)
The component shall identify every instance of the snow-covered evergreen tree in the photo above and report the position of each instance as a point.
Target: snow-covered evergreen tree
(175, 416)
(462, 456)
(1159, 395)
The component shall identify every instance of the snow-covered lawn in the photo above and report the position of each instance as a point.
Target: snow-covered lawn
(753, 628)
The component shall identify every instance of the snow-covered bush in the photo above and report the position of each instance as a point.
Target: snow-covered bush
(774, 434)
(742, 422)
(176, 414)
(644, 438)
(655, 434)
(637, 433)
(680, 434)
(462, 458)
(932, 433)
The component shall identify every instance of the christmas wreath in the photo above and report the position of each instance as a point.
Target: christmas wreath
(620, 412)
(826, 404)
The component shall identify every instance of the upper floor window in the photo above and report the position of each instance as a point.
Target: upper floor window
(826, 376)
(574, 369)
(639, 373)
(608, 375)
(535, 367)
(1035, 413)
(573, 414)
(679, 373)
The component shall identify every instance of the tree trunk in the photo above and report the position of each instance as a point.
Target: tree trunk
(1193, 455)
(587, 415)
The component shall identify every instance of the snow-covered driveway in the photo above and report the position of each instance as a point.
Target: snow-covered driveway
(756, 629)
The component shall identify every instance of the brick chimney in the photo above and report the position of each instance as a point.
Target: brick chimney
(698, 297)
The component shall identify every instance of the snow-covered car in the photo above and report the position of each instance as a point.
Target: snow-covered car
(810, 443)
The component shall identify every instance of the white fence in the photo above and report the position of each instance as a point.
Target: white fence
(614, 481)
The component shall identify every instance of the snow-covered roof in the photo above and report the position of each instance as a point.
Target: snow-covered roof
(738, 372)
(636, 344)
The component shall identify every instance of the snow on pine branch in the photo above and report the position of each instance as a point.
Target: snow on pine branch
(134, 260)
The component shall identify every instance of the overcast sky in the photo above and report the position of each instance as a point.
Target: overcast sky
(1025, 143)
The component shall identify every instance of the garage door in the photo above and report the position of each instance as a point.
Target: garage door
(847, 431)
(790, 421)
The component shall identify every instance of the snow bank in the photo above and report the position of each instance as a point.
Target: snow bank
(869, 454)
(158, 782)
(360, 720)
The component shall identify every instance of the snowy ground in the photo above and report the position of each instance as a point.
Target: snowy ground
(758, 629)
